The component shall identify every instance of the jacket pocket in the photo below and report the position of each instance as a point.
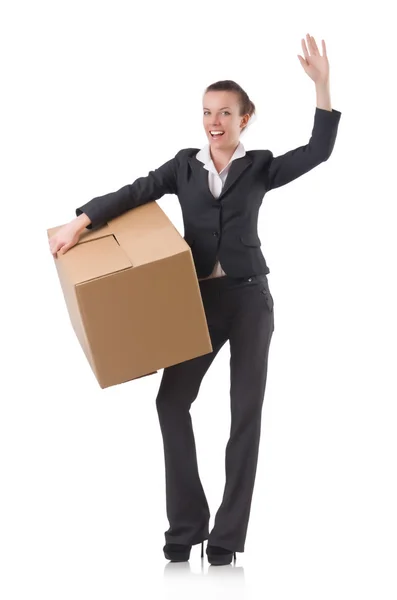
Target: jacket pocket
(250, 239)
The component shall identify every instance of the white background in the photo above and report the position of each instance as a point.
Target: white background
(94, 95)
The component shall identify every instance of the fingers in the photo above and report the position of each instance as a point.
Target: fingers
(55, 250)
(53, 247)
(56, 246)
(312, 46)
(61, 248)
(305, 52)
(302, 61)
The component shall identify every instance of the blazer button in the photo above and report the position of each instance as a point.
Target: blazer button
(215, 233)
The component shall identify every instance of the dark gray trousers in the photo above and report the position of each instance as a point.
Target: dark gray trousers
(241, 311)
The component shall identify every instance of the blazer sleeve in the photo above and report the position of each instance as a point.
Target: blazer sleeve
(291, 165)
(158, 182)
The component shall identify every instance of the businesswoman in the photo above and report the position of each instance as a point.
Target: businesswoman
(220, 188)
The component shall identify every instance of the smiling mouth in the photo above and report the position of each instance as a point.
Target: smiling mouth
(218, 135)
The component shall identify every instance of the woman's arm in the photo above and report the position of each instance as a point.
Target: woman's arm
(287, 167)
(162, 180)
(294, 163)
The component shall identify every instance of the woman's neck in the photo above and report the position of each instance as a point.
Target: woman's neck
(221, 158)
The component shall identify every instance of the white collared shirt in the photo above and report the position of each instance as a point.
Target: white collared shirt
(216, 181)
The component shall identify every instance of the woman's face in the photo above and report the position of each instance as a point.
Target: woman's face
(221, 113)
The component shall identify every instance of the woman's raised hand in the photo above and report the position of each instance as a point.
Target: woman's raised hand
(315, 65)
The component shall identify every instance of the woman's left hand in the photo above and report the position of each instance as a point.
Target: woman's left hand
(315, 65)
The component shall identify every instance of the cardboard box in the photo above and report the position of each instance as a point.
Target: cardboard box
(133, 296)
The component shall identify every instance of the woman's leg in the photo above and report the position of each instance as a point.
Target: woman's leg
(187, 508)
(250, 335)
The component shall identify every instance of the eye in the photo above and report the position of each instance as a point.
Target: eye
(224, 111)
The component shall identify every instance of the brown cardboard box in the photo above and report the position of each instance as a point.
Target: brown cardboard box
(133, 296)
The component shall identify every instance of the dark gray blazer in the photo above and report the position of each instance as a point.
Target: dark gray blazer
(224, 226)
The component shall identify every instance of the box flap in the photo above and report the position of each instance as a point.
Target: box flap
(99, 257)
(147, 235)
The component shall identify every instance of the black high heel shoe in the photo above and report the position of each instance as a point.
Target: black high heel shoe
(179, 552)
(219, 556)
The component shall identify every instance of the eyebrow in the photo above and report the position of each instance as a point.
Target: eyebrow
(204, 108)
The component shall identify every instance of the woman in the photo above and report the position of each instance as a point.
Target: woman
(233, 283)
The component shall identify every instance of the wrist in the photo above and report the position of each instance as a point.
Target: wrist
(81, 222)
(323, 96)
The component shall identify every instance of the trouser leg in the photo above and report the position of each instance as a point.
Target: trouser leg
(187, 507)
(250, 337)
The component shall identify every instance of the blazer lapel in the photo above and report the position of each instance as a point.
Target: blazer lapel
(200, 174)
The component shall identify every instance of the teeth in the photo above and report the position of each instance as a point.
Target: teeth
(217, 132)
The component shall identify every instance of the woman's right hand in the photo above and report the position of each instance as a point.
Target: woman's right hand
(65, 238)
